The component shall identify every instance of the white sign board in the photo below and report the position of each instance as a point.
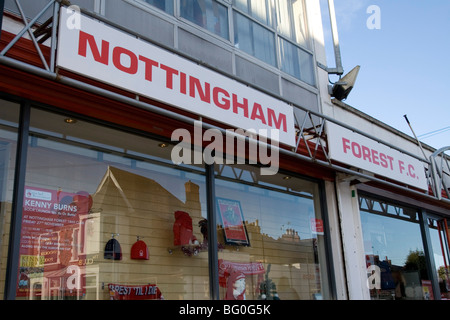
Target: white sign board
(98, 51)
(359, 151)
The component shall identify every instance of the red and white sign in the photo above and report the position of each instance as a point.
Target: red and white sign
(111, 56)
(317, 226)
(354, 149)
(134, 292)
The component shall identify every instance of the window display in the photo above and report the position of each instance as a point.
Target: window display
(102, 208)
(106, 215)
(395, 258)
(271, 228)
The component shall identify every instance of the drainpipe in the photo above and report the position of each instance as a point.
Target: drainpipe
(339, 70)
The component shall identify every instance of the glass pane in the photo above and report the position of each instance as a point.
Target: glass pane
(291, 21)
(9, 118)
(395, 257)
(208, 14)
(106, 217)
(254, 39)
(165, 5)
(296, 62)
(440, 243)
(271, 237)
(261, 10)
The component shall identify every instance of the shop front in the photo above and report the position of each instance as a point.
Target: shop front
(106, 214)
(394, 242)
(400, 237)
(129, 171)
(99, 201)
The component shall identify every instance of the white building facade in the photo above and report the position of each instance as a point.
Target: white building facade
(191, 150)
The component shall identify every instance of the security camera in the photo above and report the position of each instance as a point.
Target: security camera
(341, 89)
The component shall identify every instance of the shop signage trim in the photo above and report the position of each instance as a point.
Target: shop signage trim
(106, 54)
(357, 150)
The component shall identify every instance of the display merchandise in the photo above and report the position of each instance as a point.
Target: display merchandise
(113, 251)
(139, 250)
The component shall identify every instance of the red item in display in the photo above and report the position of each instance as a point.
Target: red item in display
(182, 229)
(139, 250)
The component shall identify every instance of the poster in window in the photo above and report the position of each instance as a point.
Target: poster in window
(52, 243)
(232, 218)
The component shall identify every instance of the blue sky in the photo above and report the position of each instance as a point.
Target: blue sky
(405, 65)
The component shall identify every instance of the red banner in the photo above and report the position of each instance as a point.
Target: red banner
(134, 292)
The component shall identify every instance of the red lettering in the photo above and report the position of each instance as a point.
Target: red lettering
(375, 157)
(223, 102)
(366, 153)
(183, 83)
(257, 113)
(412, 174)
(345, 144)
(401, 166)
(383, 160)
(391, 162)
(356, 146)
(149, 64)
(243, 105)
(169, 75)
(205, 95)
(117, 60)
(86, 38)
(281, 121)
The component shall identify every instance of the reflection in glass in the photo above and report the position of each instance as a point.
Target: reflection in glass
(100, 224)
(9, 118)
(208, 14)
(261, 10)
(271, 235)
(291, 21)
(395, 259)
(440, 244)
(165, 5)
(296, 62)
(254, 39)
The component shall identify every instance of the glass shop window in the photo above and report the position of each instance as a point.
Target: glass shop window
(208, 14)
(9, 118)
(106, 215)
(270, 237)
(395, 259)
(440, 244)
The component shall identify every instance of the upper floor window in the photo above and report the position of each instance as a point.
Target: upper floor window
(273, 31)
(254, 39)
(208, 14)
(261, 10)
(165, 5)
(291, 21)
